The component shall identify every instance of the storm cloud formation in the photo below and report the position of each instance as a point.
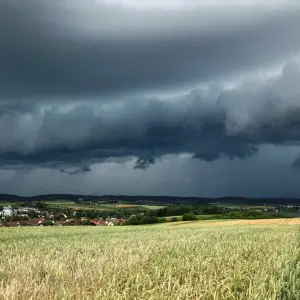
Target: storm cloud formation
(73, 48)
(208, 123)
(87, 84)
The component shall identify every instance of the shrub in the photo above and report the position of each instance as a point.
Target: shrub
(189, 217)
(161, 220)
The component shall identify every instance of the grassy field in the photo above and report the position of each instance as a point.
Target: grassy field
(151, 206)
(7, 203)
(82, 206)
(151, 262)
(73, 205)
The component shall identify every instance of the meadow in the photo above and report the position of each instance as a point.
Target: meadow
(87, 206)
(198, 261)
(78, 206)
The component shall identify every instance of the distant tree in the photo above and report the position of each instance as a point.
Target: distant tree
(212, 210)
(148, 220)
(162, 212)
(143, 220)
(136, 220)
(189, 217)
(33, 214)
(41, 205)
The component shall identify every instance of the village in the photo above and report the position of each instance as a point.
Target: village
(32, 216)
(89, 213)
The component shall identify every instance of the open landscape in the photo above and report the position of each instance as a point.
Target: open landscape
(72, 210)
(219, 250)
(149, 150)
(154, 262)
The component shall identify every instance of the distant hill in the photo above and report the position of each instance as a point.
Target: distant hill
(142, 199)
(9, 197)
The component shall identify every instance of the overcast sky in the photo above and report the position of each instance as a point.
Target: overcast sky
(177, 97)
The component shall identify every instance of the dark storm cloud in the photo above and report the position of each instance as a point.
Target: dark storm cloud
(60, 49)
(208, 124)
(144, 162)
(296, 162)
(83, 169)
(12, 107)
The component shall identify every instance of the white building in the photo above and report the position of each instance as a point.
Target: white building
(7, 211)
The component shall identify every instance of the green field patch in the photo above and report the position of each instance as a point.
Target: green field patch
(75, 206)
(150, 207)
(8, 203)
(60, 202)
(96, 206)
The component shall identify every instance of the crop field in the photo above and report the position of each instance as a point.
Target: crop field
(230, 222)
(151, 262)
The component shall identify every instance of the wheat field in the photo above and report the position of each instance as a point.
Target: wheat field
(227, 222)
(152, 262)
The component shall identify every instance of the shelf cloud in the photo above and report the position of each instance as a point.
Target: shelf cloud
(209, 124)
(87, 83)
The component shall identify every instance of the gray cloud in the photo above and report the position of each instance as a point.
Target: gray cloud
(83, 169)
(266, 175)
(208, 124)
(74, 49)
(144, 162)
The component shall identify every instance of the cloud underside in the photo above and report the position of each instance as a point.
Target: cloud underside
(209, 124)
(73, 49)
(62, 62)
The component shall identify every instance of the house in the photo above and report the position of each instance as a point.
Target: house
(70, 222)
(115, 221)
(24, 215)
(110, 222)
(31, 222)
(7, 211)
(59, 216)
(98, 223)
(121, 221)
(46, 223)
(95, 223)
